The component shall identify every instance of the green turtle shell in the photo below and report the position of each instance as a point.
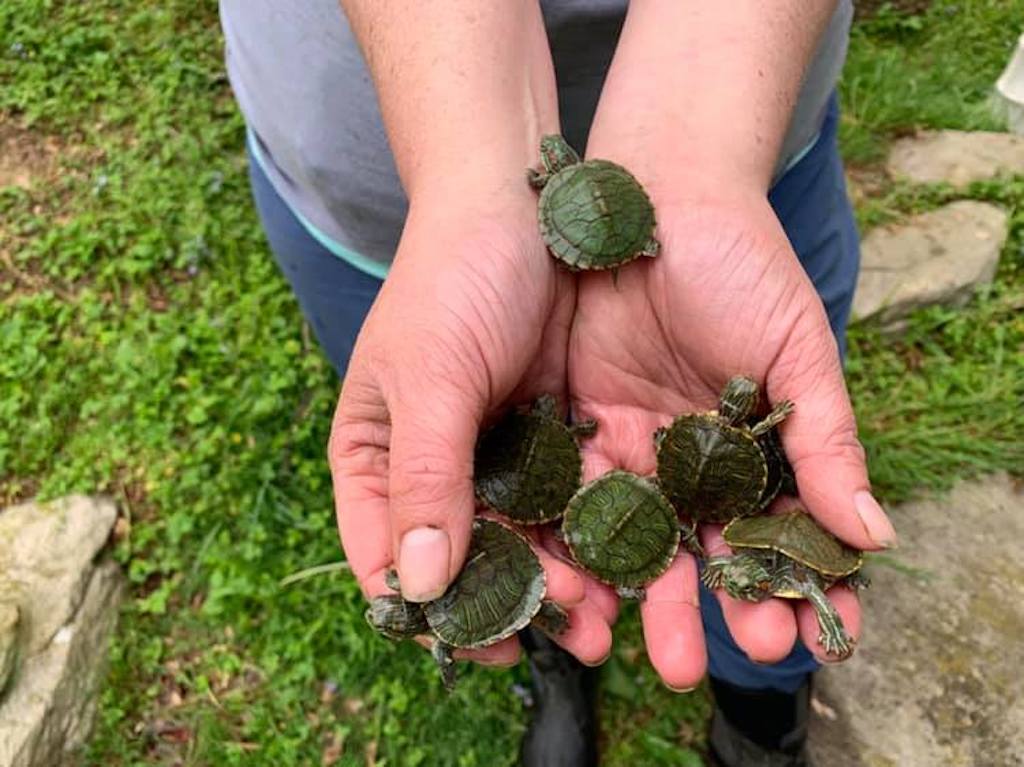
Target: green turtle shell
(498, 591)
(621, 529)
(527, 467)
(711, 471)
(781, 478)
(595, 215)
(799, 537)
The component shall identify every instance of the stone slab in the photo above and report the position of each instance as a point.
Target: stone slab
(937, 678)
(933, 258)
(956, 157)
(46, 555)
(49, 712)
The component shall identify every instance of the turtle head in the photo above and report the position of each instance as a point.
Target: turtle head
(739, 399)
(395, 617)
(555, 153)
(746, 578)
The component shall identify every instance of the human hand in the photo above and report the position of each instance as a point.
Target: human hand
(473, 316)
(726, 296)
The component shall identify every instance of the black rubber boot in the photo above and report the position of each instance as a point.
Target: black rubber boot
(759, 728)
(563, 732)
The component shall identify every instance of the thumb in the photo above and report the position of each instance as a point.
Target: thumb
(820, 439)
(430, 485)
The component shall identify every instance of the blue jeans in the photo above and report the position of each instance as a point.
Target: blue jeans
(810, 201)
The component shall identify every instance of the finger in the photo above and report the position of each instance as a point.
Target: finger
(564, 583)
(596, 593)
(358, 457)
(820, 437)
(765, 631)
(430, 484)
(588, 636)
(624, 439)
(847, 605)
(672, 628)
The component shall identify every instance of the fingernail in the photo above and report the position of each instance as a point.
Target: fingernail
(679, 690)
(597, 663)
(423, 563)
(876, 523)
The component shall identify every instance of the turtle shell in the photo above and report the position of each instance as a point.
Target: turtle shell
(799, 537)
(595, 215)
(711, 471)
(527, 467)
(621, 529)
(498, 591)
(781, 478)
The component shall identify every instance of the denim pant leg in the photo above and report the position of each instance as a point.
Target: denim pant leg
(811, 202)
(334, 295)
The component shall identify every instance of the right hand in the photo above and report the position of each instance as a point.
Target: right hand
(473, 318)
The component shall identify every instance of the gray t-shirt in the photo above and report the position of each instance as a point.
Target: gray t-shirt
(316, 129)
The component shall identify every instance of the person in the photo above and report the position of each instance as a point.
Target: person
(389, 143)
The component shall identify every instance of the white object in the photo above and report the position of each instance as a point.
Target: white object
(1010, 87)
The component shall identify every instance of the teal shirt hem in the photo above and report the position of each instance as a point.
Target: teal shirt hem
(349, 256)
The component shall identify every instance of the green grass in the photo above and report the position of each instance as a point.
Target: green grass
(149, 349)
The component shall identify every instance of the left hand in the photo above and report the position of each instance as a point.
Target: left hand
(726, 296)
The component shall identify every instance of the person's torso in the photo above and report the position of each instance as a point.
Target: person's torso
(305, 92)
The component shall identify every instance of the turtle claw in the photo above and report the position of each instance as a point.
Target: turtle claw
(584, 429)
(651, 248)
(639, 593)
(442, 653)
(838, 644)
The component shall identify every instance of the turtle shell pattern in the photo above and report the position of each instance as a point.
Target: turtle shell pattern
(498, 591)
(711, 471)
(799, 537)
(527, 467)
(595, 215)
(621, 529)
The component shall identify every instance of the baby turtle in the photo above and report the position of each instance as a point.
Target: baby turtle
(499, 591)
(781, 477)
(528, 465)
(622, 530)
(710, 465)
(791, 556)
(593, 214)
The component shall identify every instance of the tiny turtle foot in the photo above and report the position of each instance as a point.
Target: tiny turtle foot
(536, 179)
(445, 663)
(584, 429)
(690, 541)
(551, 619)
(638, 593)
(651, 248)
(837, 643)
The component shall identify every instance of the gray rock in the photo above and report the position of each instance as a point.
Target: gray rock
(956, 157)
(934, 258)
(68, 604)
(10, 623)
(46, 554)
(937, 678)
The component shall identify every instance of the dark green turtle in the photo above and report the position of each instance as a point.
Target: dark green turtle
(528, 465)
(791, 556)
(593, 214)
(499, 591)
(622, 530)
(781, 477)
(710, 465)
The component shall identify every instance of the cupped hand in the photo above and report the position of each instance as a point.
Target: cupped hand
(726, 296)
(472, 318)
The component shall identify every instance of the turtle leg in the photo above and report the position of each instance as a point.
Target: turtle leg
(857, 581)
(537, 179)
(442, 653)
(833, 636)
(689, 540)
(774, 418)
(713, 575)
(584, 429)
(651, 248)
(638, 593)
(391, 580)
(551, 619)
